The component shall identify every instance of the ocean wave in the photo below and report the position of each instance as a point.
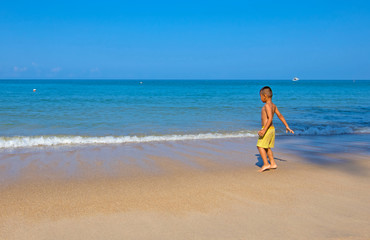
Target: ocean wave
(332, 130)
(324, 130)
(42, 141)
(365, 130)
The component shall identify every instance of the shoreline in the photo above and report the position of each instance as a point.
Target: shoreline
(202, 189)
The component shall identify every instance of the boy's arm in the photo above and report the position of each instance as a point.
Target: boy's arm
(270, 114)
(281, 117)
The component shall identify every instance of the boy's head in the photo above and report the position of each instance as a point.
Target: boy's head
(265, 93)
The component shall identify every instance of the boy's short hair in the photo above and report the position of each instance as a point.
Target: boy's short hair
(266, 90)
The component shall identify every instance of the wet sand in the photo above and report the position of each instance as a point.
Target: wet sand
(209, 189)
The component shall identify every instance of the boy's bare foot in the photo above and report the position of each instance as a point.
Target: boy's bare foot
(273, 166)
(264, 168)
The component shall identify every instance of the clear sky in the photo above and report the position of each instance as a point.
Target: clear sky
(185, 39)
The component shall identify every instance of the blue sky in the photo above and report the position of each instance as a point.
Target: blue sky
(185, 39)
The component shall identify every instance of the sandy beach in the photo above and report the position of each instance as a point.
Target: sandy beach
(200, 189)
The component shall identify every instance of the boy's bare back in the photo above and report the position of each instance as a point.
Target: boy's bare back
(268, 110)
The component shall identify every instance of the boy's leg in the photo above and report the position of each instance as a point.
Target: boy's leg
(266, 164)
(271, 158)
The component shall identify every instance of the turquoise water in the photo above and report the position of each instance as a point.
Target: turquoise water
(118, 111)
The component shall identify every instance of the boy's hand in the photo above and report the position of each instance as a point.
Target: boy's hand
(261, 133)
(289, 130)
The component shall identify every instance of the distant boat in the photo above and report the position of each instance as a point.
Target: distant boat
(295, 79)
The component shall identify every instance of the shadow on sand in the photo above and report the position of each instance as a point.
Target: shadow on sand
(339, 152)
(259, 162)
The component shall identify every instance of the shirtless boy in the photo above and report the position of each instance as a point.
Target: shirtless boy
(266, 135)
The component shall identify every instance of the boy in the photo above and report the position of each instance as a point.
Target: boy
(266, 139)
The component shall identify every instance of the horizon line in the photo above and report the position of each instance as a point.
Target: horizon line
(183, 79)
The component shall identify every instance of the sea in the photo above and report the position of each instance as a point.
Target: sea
(36, 113)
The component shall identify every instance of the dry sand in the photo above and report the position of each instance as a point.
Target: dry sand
(188, 190)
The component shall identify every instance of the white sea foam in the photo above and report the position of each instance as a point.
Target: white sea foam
(40, 141)
(45, 141)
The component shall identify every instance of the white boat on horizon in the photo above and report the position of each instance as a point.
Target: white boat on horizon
(295, 79)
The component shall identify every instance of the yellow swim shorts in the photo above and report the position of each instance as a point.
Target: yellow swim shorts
(267, 141)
